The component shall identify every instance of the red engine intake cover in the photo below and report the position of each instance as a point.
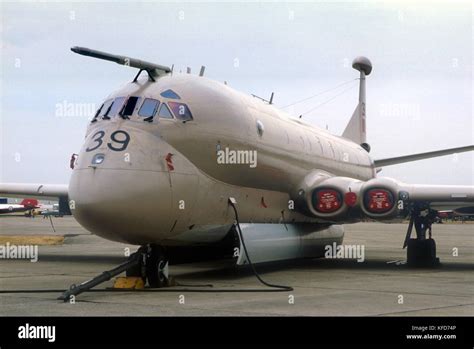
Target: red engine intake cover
(327, 200)
(378, 200)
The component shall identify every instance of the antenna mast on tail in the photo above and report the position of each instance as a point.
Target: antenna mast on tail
(356, 128)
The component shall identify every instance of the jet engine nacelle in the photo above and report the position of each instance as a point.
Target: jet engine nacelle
(382, 199)
(329, 198)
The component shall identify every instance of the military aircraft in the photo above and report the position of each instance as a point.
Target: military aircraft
(209, 166)
(24, 205)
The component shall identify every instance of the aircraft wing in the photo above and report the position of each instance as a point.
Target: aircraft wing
(421, 156)
(45, 191)
(440, 197)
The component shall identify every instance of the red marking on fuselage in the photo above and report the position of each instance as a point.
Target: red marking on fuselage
(169, 162)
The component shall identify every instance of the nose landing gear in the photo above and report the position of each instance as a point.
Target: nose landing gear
(421, 252)
(152, 266)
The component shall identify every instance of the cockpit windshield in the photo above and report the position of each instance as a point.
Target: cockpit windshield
(143, 108)
(148, 108)
(129, 107)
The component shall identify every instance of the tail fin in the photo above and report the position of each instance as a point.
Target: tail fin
(355, 129)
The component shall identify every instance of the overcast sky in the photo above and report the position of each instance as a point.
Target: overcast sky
(419, 95)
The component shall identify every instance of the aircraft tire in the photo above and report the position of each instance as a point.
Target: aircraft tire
(155, 266)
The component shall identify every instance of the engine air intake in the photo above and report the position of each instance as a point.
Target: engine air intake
(327, 200)
(378, 200)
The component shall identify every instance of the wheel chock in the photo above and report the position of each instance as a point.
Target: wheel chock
(129, 282)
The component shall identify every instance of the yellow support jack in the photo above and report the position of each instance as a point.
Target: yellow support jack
(129, 282)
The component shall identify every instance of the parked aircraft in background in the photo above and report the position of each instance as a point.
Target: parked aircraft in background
(24, 205)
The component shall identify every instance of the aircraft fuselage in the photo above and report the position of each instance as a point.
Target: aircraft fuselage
(163, 181)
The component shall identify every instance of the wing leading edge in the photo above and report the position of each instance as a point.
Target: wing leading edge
(440, 197)
(421, 156)
(34, 190)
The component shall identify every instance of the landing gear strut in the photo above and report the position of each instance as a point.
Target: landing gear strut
(421, 251)
(152, 266)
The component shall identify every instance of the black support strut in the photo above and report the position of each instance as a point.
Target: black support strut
(74, 290)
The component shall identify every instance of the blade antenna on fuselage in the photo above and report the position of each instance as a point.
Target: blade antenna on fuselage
(153, 70)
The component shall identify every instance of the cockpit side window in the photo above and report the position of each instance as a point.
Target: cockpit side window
(129, 107)
(114, 108)
(165, 112)
(181, 111)
(105, 107)
(148, 109)
(97, 113)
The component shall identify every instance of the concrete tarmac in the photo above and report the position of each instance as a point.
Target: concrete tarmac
(382, 285)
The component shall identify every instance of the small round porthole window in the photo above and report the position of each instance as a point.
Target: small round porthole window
(260, 128)
(98, 159)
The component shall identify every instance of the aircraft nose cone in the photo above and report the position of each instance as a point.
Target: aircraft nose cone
(123, 195)
(120, 205)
